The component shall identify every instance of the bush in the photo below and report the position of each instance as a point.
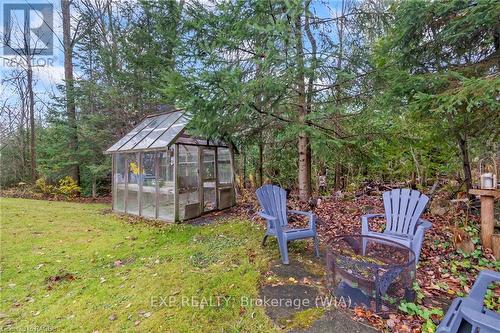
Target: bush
(41, 185)
(68, 187)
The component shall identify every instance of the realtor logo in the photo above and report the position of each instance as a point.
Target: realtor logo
(28, 29)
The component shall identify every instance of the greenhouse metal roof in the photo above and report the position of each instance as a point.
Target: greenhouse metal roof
(153, 132)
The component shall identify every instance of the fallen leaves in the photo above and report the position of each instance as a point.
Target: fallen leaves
(368, 316)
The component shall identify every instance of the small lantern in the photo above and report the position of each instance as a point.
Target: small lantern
(488, 181)
(487, 172)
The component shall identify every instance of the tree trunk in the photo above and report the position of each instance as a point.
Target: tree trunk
(261, 163)
(23, 130)
(70, 89)
(464, 152)
(31, 105)
(337, 183)
(304, 148)
(244, 169)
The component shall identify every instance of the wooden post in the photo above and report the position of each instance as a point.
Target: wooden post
(487, 220)
(495, 240)
(487, 198)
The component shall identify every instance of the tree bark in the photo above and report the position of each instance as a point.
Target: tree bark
(70, 89)
(261, 163)
(31, 105)
(464, 152)
(303, 145)
(245, 180)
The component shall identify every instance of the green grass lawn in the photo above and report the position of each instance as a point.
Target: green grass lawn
(59, 272)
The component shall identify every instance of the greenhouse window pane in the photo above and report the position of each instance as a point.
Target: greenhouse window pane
(153, 132)
(119, 182)
(224, 166)
(208, 177)
(133, 183)
(130, 135)
(166, 138)
(166, 184)
(148, 177)
(158, 131)
(155, 122)
(189, 195)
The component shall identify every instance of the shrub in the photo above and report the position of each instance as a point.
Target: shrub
(42, 186)
(68, 187)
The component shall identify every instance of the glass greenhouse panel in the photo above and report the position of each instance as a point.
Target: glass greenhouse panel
(224, 166)
(166, 138)
(158, 131)
(149, 181)
(119, 175)
(208, 174)
(133, 183)
(130, 135)
(155, 122)
(188, 182)
(166, 184)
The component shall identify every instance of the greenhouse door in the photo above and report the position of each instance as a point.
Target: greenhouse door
(208, 178)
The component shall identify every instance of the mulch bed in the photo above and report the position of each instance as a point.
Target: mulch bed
(17, 193)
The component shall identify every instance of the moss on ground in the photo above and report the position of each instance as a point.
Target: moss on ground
(304, 319)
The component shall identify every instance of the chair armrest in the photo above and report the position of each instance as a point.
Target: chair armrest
(480, 319)
(365, 227)
(418, 238)
(298, 212)
(266, 216)
(312, 218)
(484, 279)
(424, 224)
(369, 216)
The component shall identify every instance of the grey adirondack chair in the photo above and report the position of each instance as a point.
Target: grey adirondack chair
(403, 208)
(468, 314)
(272, 199)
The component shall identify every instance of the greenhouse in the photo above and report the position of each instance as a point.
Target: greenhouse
(161, 172)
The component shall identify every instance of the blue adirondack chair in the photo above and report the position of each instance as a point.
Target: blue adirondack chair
(403, 208)
(468, 314)
(272, 199)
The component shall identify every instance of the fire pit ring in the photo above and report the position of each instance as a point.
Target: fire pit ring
(370, 271)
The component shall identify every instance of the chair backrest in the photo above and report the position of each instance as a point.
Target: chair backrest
(272, 198)
(403, 208)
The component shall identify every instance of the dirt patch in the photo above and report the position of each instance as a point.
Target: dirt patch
(53, 280)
